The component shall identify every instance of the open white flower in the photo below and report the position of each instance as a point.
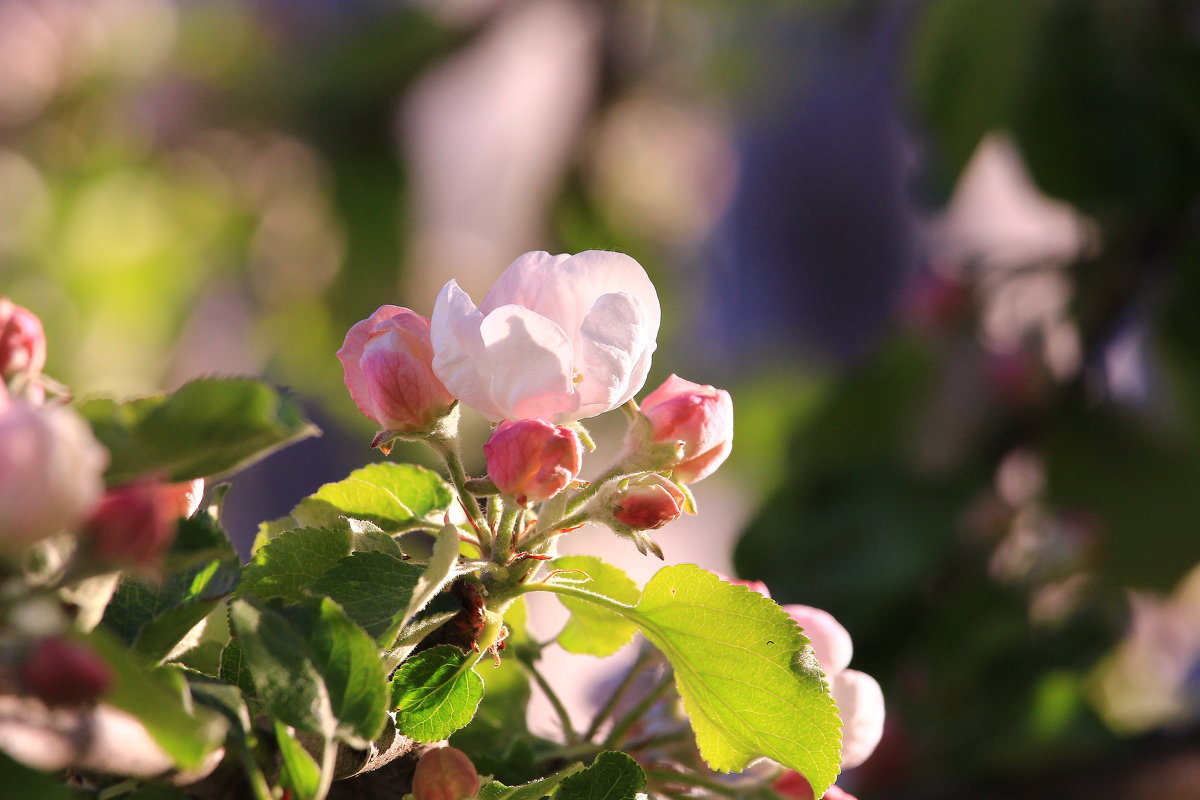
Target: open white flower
(558, 338)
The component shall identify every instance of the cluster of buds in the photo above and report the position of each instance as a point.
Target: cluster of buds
(52, 469)
(556, 340)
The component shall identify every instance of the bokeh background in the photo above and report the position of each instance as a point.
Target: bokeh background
(944, 254)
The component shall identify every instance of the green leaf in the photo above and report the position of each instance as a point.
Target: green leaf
(285, 679)
(435, 693)
(291, 562)
(535, 790)
(592, 629)
(439, 571)
(348, 662)
(393, 496)
(301, 774)
(155, 619)
(19, 780)
(612, 776)
(158, 698)
(207, 427)
(373, 588)
(750, 685)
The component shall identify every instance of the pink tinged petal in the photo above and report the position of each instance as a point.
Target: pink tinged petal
(612, 342)
(351, 354)
(860, 705)
(532, 362)
(830, 641)
(460, 359)
(593, 273)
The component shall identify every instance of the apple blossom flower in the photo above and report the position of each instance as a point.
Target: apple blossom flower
(647, 503)
(795, 786)
(860, 705)
(22, 341)
(858, 696)
(51, 473)
(387, 361)
(445, 773)
(698, 417)
(558, 338)
(62, 673)
(532, 460)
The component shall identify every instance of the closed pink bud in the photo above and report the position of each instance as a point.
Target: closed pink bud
(532, 460)
(445, 774)
(387, 360)
(134, 524)
(60, 672)
(51, 473)
(700, 417)
(648, 503)
(22, 341)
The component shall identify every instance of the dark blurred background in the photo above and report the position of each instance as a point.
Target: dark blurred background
(946, 255)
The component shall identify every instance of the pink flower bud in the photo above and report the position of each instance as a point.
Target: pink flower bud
(532, 460)
(445, 774)
(60, 672)
(22, 341)
(700, 417)
(830, 641)
(754, 586)
(51, 473)
(134, 524)
(648, 503)
(860, 705)
(387, 360)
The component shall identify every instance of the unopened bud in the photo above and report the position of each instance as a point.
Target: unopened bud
(532, 460)
(387, 360)
(51, 473)
(647, 503)
(22, 341)
(134, 524)
(696, 420)
(60, 672)
(445, 774)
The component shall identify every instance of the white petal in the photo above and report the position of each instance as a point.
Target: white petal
(460, 359)
(860, 704)
(531, 360)
(612, 342)
(593, 273)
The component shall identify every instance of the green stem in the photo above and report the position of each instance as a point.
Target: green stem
(538, 537)
(667, 776)
(448, 449)
(588, 492)
(582, 594)
(602, 714)
(502, 548)
(630, 719)
(561, 710)
(328, 765)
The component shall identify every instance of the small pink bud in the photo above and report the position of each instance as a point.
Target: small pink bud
(700, 417)
(830, 641)
(532, 460)
(445, 774)
(134, 524)
(51, 473)
(22, 341)
(648, 503)
(60, 672)
(388, 364)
